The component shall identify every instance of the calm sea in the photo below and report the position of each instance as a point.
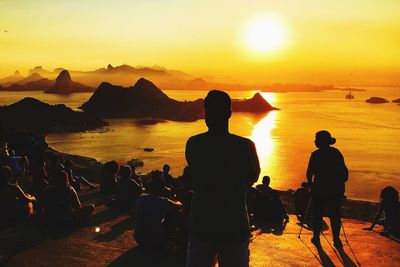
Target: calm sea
(368, 136)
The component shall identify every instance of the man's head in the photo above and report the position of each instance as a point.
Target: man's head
(324, 139)
(125, 172)
(156, 183)
(166, 168)
(61, 179)
(266, 180)
(111, 168)
(217, 106)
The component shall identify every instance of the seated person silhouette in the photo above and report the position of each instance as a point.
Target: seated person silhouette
(167, 177)
(127, 190)
(302, 197)
(183, 185)
(389, 206)
(76, 181)
(223, 166)
(108, 178)
(39, 176)
(328, 173)
(153, 215)
(15, 205)
(61, 205)
(269, 208)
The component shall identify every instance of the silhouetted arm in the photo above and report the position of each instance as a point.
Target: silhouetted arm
(378, 215)
(188, 152)
(344, 171)
(22, 196)
(254, 170)
(310, 169)
(74, 199)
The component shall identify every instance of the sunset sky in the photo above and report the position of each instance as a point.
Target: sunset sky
(317, 41)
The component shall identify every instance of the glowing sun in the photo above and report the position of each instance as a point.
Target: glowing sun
(265, 35)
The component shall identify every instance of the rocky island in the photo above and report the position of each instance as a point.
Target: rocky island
(65, 85)
(396, 101)
(145, 100)
(32, 114)
(376, 100)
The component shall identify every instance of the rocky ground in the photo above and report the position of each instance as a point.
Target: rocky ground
(107, 240)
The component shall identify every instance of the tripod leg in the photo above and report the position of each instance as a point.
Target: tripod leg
(305, 217)
(351, 249)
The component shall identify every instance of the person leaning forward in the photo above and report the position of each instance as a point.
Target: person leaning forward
(223, 166)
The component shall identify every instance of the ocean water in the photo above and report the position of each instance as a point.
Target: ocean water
(367, 135)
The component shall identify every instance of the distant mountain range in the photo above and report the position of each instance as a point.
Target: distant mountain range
(11, 79)
(35, 82)
(126, 75)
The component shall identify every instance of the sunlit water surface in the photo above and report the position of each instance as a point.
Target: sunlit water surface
(368, 136)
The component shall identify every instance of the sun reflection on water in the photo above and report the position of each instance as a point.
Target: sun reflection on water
(264, 141)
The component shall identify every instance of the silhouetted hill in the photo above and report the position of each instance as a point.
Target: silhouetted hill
(38, 85)
(65, 85)
(256, 104)
(144, 99)
(396, 100)
(32, 114)
(12, 78)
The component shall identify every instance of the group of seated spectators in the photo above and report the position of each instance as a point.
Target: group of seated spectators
(161, 203)
(52, 194)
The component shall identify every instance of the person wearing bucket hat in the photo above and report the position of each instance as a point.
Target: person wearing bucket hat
(327, 172)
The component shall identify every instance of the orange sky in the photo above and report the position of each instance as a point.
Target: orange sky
(324, 41)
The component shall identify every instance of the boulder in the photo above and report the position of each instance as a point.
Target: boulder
(376, 100)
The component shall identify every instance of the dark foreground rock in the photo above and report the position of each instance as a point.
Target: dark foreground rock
(145, 100)
(65, 85)
(113, 245)
(32, 114)
(376, 100)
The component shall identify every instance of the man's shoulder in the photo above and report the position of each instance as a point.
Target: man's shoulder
(197, 137)
(335, 150)
(240, 138)
(242, 142)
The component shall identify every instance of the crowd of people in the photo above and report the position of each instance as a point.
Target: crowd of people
(208, 209)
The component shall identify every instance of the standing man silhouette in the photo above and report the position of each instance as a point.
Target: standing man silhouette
(223, 166)
(328, 173)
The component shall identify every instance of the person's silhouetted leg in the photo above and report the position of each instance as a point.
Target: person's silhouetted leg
(233, 255)
(333, 206)
(335, 225)
(200, 253)
(317, 212)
